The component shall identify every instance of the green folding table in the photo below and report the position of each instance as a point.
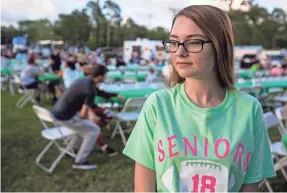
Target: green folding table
(129, 93)
(265, 84)
(275, 84)
(48, 77)
(6, 71)
(118, 77)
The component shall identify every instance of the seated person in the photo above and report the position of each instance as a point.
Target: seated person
(277, 69)
(86, 69)
(29, 76)
(120, 62)
(74, 110)
(151, 75)
(81, 61)
(21, 55)
(70, 74)
(166, 71)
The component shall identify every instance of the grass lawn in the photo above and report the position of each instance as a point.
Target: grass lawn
(22, 142)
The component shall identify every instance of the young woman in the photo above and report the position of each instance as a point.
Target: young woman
(200, 135)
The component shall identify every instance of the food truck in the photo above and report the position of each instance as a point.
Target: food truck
(143, 49)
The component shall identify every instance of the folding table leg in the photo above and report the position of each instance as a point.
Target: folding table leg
(11, 88)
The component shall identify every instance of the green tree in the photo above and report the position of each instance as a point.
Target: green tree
(243, 3)
(257, 26)
(36, 30)
(7, 34)
(159, 33)
(279, 15)
(74, 28)
(97, 17)
(112, 12)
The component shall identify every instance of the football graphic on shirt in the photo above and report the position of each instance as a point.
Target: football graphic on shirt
(199, 176)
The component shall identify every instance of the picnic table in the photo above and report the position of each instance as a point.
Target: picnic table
(248, 73)
(118, 76)
(132, 93)
(48, 77)
(265, 84)
(129, 91)
(134, 68)
(6, 71)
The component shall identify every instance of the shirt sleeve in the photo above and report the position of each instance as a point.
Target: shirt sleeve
(35, 70)
(140, 146)
(104, 94)
(261, 164)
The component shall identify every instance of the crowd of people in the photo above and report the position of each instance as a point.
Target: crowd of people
(201, 133)
(73, 95)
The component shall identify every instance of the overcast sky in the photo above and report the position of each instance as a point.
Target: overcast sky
(15, 10)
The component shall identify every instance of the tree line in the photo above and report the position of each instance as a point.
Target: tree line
(99, 25)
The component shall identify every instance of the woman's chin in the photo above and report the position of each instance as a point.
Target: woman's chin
(187, 74)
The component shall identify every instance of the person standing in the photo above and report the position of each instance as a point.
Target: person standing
(201, 134)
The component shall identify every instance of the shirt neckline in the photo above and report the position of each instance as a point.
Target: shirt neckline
(206, 110)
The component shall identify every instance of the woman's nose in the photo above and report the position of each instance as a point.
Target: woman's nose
(181, 52)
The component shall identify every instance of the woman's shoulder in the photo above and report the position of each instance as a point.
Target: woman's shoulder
(245, 99)
(162, 96)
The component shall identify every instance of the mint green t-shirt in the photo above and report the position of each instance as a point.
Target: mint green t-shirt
(201, 149)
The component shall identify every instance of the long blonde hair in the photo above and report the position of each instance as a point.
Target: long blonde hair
(217, 27)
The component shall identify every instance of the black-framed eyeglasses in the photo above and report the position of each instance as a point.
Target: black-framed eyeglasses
(191, 46)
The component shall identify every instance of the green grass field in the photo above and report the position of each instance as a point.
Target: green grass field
(22, 142)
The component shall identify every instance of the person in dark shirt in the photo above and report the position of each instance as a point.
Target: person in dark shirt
(53, 86)
(74, 110)
(120, 62)
(55, 61)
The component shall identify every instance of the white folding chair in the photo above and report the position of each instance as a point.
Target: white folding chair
(279, 166)
(129, 113)
(4, 80)
(8, 81)
(282, 99)
(271, 121)
(54, 134)
(27, 94)
(279, 112)
(276, 91)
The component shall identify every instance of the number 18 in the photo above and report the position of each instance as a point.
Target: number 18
(206, 183)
